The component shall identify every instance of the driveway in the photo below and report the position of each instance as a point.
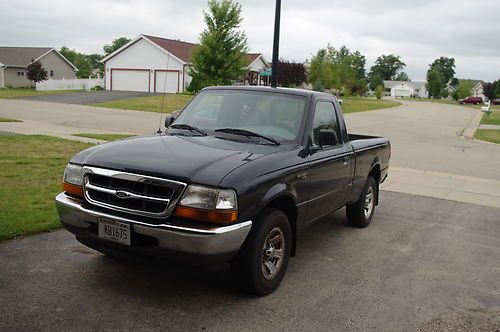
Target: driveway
(87, 97)
(423, 263)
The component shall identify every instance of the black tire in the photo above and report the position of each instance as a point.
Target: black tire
(248, 267)
(356, 214)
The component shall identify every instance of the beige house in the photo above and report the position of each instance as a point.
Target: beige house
(15, 60)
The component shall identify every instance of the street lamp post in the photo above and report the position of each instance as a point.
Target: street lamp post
(276, 45)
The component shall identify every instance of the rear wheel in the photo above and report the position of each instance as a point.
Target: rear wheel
(360, 214)
(263, 259)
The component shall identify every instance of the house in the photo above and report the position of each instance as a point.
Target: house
(155, 64)
(476, 91)
(416, 89)
(15, 60)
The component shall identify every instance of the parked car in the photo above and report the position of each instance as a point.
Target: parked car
(495, 101)
(235, 177)
(471, 100)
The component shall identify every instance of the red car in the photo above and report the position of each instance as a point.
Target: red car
(471, 100)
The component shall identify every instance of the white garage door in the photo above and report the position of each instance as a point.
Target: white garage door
(167, 81)
(130, 80)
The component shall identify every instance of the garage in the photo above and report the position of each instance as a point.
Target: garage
(167, 81)
(130, 80)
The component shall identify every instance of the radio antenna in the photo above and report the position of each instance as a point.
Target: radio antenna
(163, 97)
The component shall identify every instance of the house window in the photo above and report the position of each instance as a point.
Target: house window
(51, 73)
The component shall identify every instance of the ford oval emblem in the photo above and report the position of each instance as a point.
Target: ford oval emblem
(122, 194)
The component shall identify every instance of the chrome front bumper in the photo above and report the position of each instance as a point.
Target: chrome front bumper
(198, 241)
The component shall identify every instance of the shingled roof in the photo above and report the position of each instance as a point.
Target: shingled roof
(180, 49)
(21, 56)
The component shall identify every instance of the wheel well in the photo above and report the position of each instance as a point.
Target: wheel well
(287, 206)
(375, 172)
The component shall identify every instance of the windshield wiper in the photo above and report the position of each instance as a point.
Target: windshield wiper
(184, 126)
(247, 133)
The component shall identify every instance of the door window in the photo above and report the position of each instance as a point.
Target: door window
(325, 118)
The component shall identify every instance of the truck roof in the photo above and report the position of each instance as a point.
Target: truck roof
(299, 92)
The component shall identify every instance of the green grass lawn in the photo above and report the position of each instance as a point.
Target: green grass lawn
(31, 170)
(9, 120)
(360, 104)
(25, 92)
(493, 118)
(103, 137)
(488, 135)
(173, 103)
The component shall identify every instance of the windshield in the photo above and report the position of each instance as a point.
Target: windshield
(277, 116)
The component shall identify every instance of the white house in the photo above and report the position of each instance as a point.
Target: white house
(406, 89)
(476, 91)
(154, 64)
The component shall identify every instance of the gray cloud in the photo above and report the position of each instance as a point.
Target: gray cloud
(418, 31)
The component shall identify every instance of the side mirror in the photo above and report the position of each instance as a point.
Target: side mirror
(328, 137)
(168, 120)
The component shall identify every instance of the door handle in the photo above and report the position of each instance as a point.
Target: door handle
(346, 160)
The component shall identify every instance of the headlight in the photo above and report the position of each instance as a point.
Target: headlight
(209, 198)
(73, 174)
(208, 204)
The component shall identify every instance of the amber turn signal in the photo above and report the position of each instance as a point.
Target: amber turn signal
(215, 216)
(72, 189)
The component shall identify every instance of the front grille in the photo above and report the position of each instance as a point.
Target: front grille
(131, 193)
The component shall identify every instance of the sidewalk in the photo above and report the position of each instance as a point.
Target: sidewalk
(489, 127)
(451, 187)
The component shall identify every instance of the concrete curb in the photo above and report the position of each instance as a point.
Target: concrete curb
(469, 131)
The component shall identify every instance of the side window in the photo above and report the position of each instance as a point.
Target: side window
(325, 118)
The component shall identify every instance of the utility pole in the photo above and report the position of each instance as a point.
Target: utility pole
(276, 44)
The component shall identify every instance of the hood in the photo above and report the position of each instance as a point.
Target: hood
(204, 160)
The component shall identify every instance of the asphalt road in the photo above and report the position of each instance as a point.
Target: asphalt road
(87, 97)
(424, 264)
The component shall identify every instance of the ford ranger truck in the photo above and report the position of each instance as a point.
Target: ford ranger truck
(234, 177)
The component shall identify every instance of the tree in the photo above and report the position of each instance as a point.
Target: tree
(402, 76)
(340, 69)
(35, 72)
(446, 68)
(375, 80)
(291, 74)
(489, 89)
(379, 91)
(221, 56)
(95, 62)
(445, 93)
(463, 90)
(497, 90)
(387, 66)
(115, 44)
(434, 83)
(81, 61)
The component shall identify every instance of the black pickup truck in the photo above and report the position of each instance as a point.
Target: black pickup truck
(234, 177)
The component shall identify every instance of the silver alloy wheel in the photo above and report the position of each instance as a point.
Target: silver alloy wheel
(369, 202)
(272, 253)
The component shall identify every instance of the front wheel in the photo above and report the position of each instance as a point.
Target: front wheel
(262, 261)
(360, 213)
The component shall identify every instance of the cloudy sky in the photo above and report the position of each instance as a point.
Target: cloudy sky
(418, 31)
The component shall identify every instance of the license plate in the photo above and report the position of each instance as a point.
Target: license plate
(115, 231)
